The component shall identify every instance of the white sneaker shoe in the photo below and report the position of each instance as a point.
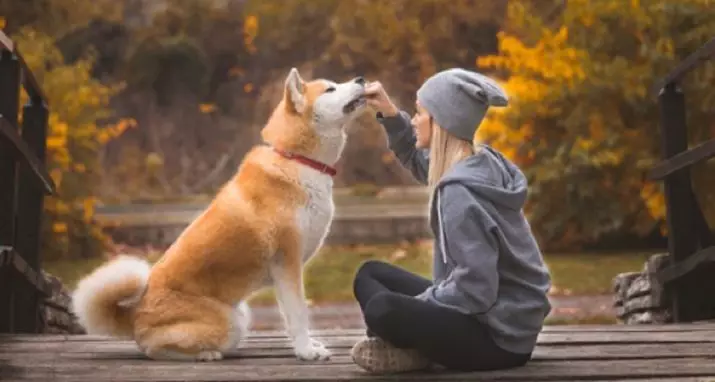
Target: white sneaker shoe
(379, 357)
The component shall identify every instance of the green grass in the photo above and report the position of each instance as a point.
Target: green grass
(590, 320)
(329, 275)
(591, 273)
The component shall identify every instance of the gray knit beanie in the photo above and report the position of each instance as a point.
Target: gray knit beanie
(458, 99)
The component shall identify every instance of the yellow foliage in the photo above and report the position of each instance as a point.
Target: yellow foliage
(250, 31)
(56, 143)
(77, 102)
(207, 108)
(59, 227)
(654, 200)
(88, 209)
(535, 72)
(56, 175)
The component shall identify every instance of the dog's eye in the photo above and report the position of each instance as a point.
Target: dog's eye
(330, 89)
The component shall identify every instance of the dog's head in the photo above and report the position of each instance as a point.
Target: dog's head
(312, 115)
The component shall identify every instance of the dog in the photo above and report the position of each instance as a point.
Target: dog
(260, 229)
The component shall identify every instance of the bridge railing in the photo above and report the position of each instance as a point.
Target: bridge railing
(689, 278)
(24, 182)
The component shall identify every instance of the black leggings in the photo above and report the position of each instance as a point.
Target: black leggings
(445, 336)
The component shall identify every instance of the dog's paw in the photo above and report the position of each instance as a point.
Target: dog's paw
(208, 356)
(312, 350)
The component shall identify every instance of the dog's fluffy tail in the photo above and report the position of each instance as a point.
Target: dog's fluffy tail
(104, 300)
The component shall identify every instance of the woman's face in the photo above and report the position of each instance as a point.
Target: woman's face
(421, 123)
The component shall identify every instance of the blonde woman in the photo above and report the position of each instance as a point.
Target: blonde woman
(488, 298)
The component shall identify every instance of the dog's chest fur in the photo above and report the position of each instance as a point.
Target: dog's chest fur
(315, 216)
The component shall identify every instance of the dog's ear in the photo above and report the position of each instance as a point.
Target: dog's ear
(295, 92)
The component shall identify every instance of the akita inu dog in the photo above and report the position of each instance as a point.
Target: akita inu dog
(259, 230)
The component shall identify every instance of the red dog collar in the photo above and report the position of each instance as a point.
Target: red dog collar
(322, 167)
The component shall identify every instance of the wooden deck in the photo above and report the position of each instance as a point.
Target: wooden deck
(683, 353)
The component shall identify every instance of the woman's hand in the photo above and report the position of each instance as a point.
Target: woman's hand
(378, 99)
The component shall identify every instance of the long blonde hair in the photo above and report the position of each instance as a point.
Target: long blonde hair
(445, 150)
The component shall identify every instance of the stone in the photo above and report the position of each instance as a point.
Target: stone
(639, 298)
(56, 310)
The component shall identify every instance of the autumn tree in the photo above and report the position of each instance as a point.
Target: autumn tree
(399, 42)
(77, 130)
(187, 86)
(582, 122)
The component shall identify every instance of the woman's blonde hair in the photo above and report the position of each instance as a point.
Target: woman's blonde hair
(445, 150)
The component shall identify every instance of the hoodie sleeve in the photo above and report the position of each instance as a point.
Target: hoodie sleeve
(468, 242)
(401, 140)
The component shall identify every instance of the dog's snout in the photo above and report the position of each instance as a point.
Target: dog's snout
(360, 80)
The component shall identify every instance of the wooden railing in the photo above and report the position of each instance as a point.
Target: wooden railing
(689, 279)
(24, 182)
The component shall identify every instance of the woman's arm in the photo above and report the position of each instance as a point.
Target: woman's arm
(401, 140)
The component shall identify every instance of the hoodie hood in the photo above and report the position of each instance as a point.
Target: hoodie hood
(491, 176)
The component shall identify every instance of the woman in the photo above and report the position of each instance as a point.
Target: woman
(487, 301)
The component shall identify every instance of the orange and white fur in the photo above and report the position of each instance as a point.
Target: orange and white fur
(259, 230)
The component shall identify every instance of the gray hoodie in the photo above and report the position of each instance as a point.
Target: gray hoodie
(486, 260)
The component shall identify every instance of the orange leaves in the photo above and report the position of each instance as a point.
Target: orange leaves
(56, 143)
(79, 102)
(550, 58)
(59, 227)
(250, 31)
(110, 132)
(88, 209)
(654, 200)
(56, 175)
(207, 108)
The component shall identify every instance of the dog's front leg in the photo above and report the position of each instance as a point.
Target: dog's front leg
(287, 278)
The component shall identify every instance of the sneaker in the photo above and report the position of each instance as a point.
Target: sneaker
(379, 357)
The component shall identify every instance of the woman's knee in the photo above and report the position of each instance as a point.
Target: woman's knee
(371, 267)
(379, 310)
(366, 270)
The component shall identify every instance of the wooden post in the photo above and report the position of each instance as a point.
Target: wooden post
(9, 99)
(30, 203)
(682, 238)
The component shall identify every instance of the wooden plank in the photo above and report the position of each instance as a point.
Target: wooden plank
(683, 160)
(235, 370)
(5, 42)
(341, 347)
(608, 344)
(32, 87)
(677, 352)
(23, 152)
(580, 337)
(688, 64)
(30, 200)
(705, 329)
(616, 328)
(21, 271)
(9, 99)
(680, 269)
(680, 212)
